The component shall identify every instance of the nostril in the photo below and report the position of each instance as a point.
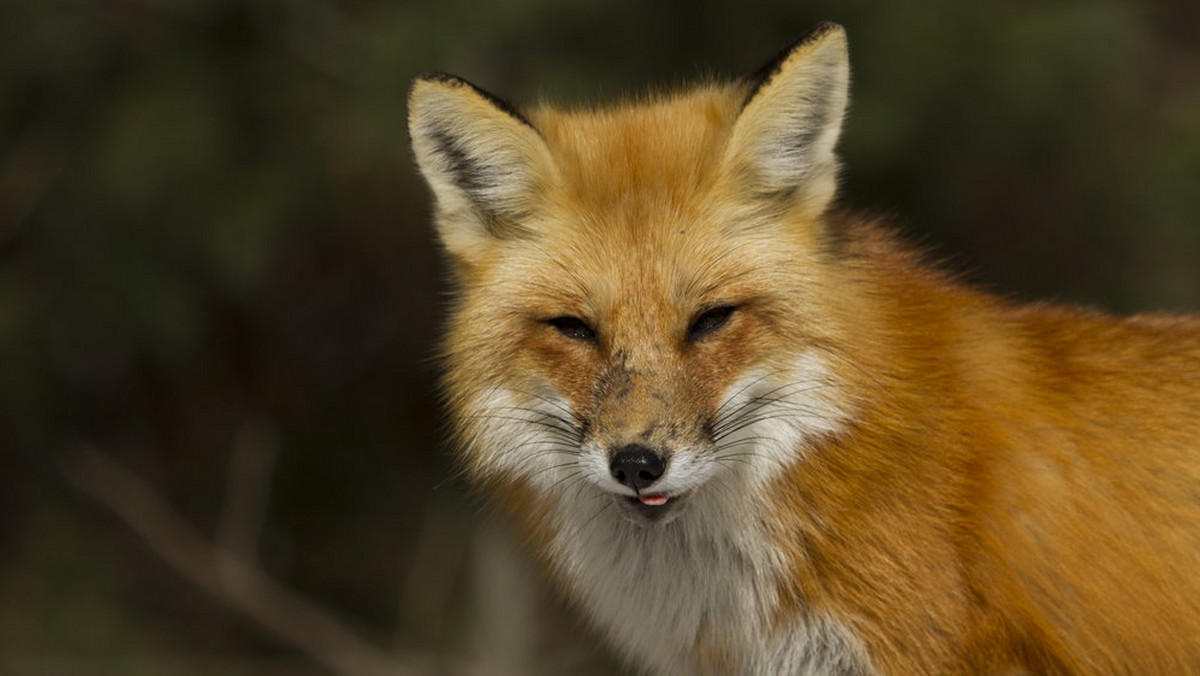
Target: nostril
(636, 466)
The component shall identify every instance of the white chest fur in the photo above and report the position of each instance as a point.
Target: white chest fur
(706, 580)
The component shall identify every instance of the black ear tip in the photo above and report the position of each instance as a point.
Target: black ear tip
(440, 78)
(437, 77)
(446, 79)
(428, 77)
(821, 30)
(763, 74)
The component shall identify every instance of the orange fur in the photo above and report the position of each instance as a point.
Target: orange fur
(975, 486)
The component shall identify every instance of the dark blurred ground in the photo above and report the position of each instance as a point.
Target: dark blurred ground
(216, 268)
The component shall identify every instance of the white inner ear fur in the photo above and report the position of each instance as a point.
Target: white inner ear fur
(783, 142)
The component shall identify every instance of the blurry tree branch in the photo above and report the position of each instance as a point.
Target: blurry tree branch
(250, 467)
(226, 573)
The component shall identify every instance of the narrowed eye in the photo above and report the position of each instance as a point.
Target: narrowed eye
(709, 321)
(573, 328)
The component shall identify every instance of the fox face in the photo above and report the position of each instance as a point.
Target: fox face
(647, 403)
(627, 331)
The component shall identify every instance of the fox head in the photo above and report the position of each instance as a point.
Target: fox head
(645, 293)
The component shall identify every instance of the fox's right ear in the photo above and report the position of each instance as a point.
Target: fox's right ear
(483, 160)
(783, 141)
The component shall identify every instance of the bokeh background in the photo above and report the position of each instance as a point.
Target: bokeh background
(220, 449)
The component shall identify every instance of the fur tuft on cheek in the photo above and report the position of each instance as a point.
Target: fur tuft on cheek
(531, 437)
(768, 419)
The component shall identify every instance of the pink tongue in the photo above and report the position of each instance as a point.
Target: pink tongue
(653, 500)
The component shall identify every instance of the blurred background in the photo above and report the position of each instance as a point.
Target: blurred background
(220, 444)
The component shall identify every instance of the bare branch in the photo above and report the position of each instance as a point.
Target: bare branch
(242, 585)
(251, 463)
(439, 557)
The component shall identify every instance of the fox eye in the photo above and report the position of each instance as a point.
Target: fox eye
(709, 321)
(573, 328)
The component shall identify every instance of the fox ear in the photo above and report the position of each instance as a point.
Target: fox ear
(782, 143)
(483, 160)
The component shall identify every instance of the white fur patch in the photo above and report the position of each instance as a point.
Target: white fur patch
(766, 422)
(523, 437)
(709, 577)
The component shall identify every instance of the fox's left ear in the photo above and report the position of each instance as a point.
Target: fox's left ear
(483, 160)
(782, 144)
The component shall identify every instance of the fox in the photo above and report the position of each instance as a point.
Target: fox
(745, 429)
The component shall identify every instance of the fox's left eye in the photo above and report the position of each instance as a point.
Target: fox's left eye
(573, 327)
(709, 321)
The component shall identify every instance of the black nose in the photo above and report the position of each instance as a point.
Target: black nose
(636, 466)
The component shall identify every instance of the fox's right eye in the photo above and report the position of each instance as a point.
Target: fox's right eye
(573, 328)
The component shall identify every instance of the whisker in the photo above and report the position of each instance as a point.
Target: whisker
(605, 504)
(580, 484)
(775, 395)
(733, 397)
(721, 448)
(567, 432)
(784, 403)
(532, 437)
(770, 395)
(576, 475)
(551, 468)
(724, 462)
(568, 420)
(555, 403)
(802, 416)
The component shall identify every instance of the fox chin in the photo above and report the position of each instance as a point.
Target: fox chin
(749, 431)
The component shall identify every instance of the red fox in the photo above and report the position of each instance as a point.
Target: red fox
(748, 432)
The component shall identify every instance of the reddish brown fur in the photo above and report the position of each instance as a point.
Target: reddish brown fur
(1021, 489)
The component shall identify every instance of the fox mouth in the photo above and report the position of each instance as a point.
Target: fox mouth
(650, 508)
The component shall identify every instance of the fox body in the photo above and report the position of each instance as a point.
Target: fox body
(750, 433)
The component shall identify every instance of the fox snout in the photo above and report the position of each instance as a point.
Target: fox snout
(656, 498)
(636, 467)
